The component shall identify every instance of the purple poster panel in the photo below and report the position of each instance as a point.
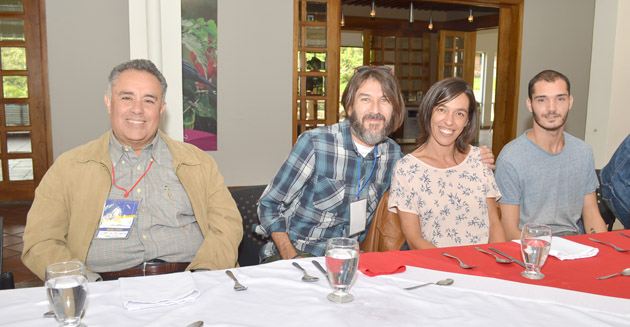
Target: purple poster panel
(199, 72)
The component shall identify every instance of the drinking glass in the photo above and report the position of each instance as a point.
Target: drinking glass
(535, 245)
(342, 261)
(66, 286)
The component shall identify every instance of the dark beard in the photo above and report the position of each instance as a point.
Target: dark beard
(366, 136)
(538, 119)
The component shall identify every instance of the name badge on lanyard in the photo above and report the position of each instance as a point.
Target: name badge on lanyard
(117, 219)
(358, 208)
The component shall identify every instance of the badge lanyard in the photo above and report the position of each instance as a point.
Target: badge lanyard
(138, 181)
(368, 178)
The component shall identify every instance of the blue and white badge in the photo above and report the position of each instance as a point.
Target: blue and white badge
(117, 219)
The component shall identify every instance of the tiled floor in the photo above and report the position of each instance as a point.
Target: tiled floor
(14, 221)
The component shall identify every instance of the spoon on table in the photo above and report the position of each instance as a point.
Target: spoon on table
(625, 272)
(499, 260)
(196, 324)
(443, 282)
(461, 264)
(307, 277)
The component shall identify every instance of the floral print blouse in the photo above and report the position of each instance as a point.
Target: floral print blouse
(450, 203)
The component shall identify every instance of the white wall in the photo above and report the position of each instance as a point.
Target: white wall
(608, 119)
(557, 34)
(82, 49)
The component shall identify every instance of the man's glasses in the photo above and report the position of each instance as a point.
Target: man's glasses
(382, 68)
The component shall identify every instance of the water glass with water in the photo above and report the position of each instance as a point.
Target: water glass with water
(66, 286)
(535, 246)
(342, 261)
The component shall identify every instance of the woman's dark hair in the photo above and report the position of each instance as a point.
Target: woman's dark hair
(443, 92)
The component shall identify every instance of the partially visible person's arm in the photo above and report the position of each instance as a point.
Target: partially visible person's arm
(284, 188)
(509, 219)
(284, 245)
(497, 234)
(410, 225)
(487, 157)
(593, 221)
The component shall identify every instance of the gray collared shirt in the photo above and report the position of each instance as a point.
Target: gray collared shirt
(165, 226)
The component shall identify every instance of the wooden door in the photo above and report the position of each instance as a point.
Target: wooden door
(316, 60)
(456, 55)
(25, 151)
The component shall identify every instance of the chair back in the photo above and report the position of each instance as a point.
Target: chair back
(384, 233)
(604, 210)
(246, 199)
(6, 278)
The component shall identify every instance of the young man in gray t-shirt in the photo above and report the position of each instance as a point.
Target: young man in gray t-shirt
(546, 175)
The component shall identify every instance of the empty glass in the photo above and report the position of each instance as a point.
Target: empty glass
(342, 261)
(66, 286)
(535, 246)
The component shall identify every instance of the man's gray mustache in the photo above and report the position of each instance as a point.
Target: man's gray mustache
(374, 116)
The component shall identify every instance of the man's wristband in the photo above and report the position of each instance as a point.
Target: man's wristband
(295, 256)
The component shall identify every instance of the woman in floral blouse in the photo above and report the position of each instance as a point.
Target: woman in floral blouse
(441, 191)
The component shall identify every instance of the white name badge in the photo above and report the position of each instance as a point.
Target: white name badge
(117, 219)
(358, 216)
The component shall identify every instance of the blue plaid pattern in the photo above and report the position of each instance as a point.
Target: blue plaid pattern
(309, 198)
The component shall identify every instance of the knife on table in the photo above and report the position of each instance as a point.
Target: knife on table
(507, 256)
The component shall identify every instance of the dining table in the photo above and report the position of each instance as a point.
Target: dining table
(490, 294)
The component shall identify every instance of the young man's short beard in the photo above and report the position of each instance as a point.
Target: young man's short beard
(364, 135)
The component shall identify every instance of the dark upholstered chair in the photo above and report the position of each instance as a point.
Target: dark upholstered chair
(604, 210)
(246, 200)
(6, 279)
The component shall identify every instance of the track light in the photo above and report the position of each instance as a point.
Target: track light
(411, 12)
(373, 11)
(343, 19)
(431, 22)
(470, 16)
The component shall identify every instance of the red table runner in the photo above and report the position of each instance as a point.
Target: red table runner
(577, 275)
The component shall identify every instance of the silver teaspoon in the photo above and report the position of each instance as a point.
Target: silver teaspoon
(625, 272)
(443, 282)
(307, 277)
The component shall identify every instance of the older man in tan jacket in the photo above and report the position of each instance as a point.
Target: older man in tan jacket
(133, 202)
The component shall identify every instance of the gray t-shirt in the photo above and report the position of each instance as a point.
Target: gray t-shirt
(549, 188)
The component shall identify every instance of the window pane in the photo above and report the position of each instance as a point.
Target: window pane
(298, 107)
(20, 169)
(390, 57)
(316, 61)
(11, 6)
(403, 71)
(459, 71)
(459, 42)
(448, 71)
(390, 42)
(19, 142)
(315, 109)
(15, 87)
(403, 43)
(416, 57)
(448, 42)
(315, 36)
(17, 114)
(13, 58)
(403, 57)
(416, 43)
(315, 11)
(315, 85)
(459, 56)
(12, 30)
(448, 57)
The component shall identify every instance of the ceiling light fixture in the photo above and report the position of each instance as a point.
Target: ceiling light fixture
(373, 11)
(470, 16)
(343, 19)
(411, 12)
(431, 22)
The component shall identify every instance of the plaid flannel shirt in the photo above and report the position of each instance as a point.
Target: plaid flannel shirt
(310, 196)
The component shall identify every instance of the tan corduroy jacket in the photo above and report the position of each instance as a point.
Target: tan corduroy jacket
(70, 198)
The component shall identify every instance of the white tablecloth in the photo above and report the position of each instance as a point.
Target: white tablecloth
(277, 297)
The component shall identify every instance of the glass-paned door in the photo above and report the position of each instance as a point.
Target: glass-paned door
(456, 55)
(24, 150)
(316, 62)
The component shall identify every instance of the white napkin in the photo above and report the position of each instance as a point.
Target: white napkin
(158, 290)
(564, 249)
